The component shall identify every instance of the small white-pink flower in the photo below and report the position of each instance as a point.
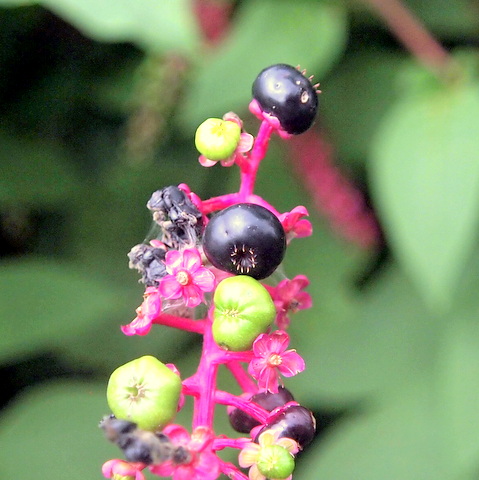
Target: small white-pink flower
(187, 278)
(272, 359)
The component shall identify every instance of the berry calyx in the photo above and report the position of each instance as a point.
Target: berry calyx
(244, 423)
(144, 391)
(284, 92)
(217, 139)
(245, 239)
(243, 309)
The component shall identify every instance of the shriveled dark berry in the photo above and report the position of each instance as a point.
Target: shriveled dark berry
(294, 422)
(283, 91)
(243, 423)
(149, 261)
(178, 217)
(245, 239)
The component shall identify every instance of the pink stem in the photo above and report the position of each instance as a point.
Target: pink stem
(412, 33)
(247, 406)
(205, 380)
(260, 147)
(231, 471)
(225, 442)
(197, 326)
(333, 194)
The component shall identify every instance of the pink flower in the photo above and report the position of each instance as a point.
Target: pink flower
(289, 297)
(145, 313)
(187, 277)
(251, 454)
(294, 225)
(272, 359)
(203, 464)
(119, 469)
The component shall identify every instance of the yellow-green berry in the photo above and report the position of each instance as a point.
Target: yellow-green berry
(275, 461)
(144, 391)
(217, 139)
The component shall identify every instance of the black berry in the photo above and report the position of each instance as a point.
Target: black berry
(294, 422)
(245, 239)
(243, 423)
(286, 93)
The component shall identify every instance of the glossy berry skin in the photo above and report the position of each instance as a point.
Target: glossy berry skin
(283, 91)
(244, 423)
(245, 239)
(294, 422)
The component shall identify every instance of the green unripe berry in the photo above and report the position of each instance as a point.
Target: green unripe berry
(144, 391)
(217, 139)
(243, 310)
(275, 461)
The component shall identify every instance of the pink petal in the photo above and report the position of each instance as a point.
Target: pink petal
(184, 472)
(261, 346)
(292, 364)
(282, 320)
(256, 365)
(141, 325)
(177, 433)
(228, 162)
(173, 261)
(193, 295)
(303, 228)
(249, 455)
(205, 279)
(279, 341)
(301, 281)
(207, 468)
(191, 259)
(206, 162)
(170, 288)
(246, 142)
(255, 474)
(166, 469)
(305, 301)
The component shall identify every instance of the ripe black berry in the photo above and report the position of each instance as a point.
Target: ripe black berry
(245, 239)
(294, 422)
(243, 423)
(286, 93)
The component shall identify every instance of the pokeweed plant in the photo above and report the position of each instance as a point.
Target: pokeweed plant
(217, 252)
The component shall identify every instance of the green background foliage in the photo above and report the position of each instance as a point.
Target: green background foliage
(99, 101)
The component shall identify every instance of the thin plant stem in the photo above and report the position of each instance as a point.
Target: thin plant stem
(412, 34)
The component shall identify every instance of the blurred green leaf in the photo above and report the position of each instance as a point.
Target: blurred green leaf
(403, 439)
(310, 34)
(386, 336)
(157, 26)
(354, 99)
(43, 303)
(34, 173)
(421, 422)
(452, 20)
(425, 183)
(52, 432)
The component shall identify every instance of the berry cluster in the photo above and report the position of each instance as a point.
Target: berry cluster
(215, 252)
